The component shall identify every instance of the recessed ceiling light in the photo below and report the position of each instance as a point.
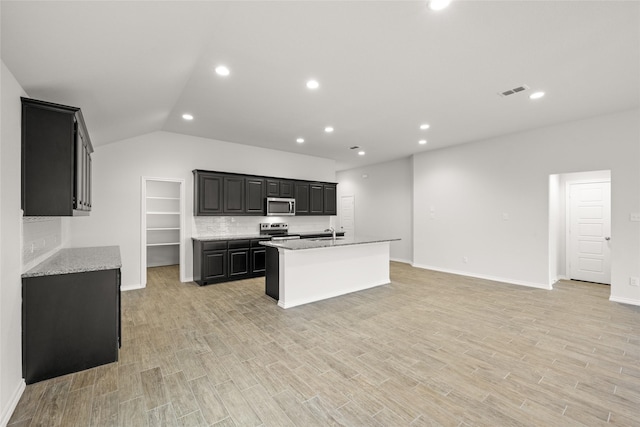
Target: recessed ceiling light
(536, 95)
(328, 129)
(438, 4)
(422, 142)
(300, 140)
(187, 116)
(221, 70)
(424, 126)
(360, 153)
(313, 84)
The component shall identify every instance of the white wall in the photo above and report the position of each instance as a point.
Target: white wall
(383, 203)
(118, 168)
(11, 383)
(462, 192)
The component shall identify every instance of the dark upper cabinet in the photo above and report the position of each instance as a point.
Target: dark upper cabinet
(254, 195)
(287, 189)
(208, 193)
(273, 188)
(330, 196)
(233, 194)
(56, 160)
(316, 199)
(302, 198)
(220, 193)
(279, 188)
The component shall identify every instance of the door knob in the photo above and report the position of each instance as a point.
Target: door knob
(607, 238)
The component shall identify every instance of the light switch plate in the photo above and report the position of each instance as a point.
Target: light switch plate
(635, 217)
(634, 281)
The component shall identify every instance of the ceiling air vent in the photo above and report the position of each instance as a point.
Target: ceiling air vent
(514, 90)
(355, 147)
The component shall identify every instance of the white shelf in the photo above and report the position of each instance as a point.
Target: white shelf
(163, 244)
(163, 213)
(162, 228)
(162, 198)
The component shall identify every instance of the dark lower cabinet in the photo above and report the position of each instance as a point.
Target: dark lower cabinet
(272, 279)
(238, 258)
(70, 322)
(225, 260)
(258, 260)
(214, 265)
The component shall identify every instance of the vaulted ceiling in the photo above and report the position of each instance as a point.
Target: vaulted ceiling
(384, 68)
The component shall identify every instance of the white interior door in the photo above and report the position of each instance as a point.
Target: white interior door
(589, 232)
(347, 215)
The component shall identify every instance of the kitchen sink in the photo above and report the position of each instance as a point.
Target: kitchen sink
(320, 239)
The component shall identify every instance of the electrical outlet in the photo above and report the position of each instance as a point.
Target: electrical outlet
(505, 216)
(634, 281)
(465, 259)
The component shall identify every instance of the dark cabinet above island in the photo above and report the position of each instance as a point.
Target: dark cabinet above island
(227, 194)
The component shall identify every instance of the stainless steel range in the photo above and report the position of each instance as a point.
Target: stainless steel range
(277, 231)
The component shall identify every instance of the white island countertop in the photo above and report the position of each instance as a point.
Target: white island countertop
(325, 242)
(307, 270)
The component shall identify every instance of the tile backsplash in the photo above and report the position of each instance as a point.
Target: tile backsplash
(206, 226)
(40, 237)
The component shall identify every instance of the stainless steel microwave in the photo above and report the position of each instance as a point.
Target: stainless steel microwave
(278, 206)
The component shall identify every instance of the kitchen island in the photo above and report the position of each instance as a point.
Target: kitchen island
(308, 270)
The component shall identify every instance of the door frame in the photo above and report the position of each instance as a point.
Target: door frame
(143, 227)
(567, 200)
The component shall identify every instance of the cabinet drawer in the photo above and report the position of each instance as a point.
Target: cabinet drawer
(239, 244)
(214, 246)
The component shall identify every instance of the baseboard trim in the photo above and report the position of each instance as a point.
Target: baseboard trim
(13, 402)
(132, 287)
(623, 300)
(487, 277)
(404, 261)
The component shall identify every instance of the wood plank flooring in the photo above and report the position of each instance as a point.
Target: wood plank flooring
(428, 349)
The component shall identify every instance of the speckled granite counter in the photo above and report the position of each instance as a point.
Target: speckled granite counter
(78, 260)
(325, 242)
(303, 235)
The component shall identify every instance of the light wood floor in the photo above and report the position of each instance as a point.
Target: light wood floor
(428, 349)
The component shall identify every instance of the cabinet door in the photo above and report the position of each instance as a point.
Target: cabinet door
(208, 195)
(302, 198)
(316, 196)
(254, 191)
(234, 194)
(286, 189)
(214, 265)
(238, 262)
(330, 205)
(273, 188)
(70, 322)
(258, 260)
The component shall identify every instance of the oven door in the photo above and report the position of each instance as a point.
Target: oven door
(280, 206)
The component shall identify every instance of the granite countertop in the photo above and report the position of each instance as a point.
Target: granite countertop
(78, 260)
(257, 236)
(326, 242)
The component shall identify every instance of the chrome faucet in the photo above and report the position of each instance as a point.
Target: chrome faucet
(333, 232)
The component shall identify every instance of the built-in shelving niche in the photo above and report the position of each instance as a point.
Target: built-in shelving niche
(163, 210)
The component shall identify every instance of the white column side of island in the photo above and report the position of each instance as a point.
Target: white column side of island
(316, 274)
